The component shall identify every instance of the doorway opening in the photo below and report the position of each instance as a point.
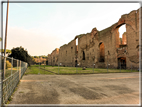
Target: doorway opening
(122, 63)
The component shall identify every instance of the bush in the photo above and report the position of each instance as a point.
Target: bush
(8, 64)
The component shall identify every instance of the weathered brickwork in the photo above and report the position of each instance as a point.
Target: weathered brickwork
(53, 57)
(67, 54)
(103, 47)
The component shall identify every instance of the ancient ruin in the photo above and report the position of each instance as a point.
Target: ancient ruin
(103, 47)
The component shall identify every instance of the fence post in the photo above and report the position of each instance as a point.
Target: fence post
(107, 67)
(20, 70)
(11, 65)
(4, 69)
(93, 67)
(131, 66)
(17, 65)
(39, 68)
(76, 69)
(120, 66)
(58, 67)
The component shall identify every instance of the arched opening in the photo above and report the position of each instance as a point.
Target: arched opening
(122, 35)
(76, 48)
(122, 62)
(76, 41)
(75, 63)
(83, 56)
(102, 52)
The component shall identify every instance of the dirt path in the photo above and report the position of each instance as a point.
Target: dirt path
(112, 88)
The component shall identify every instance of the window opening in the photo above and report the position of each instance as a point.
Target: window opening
(122, 35)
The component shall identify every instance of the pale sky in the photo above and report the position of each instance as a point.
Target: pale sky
(42, 27)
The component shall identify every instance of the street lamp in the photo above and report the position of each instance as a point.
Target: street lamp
(76, 67)
(39, 66)
(93, 67)
(107, 67)
(120, 65)
(58, 66)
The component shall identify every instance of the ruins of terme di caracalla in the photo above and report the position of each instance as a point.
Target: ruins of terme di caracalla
(103, 47)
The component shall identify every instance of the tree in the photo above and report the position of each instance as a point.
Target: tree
(8, 52)
(21, 54)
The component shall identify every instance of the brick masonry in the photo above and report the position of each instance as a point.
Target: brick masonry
(103, 47)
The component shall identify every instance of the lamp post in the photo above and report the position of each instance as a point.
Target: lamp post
(131, 66)
(107, 67)
(5, 41)
(76, 67)
(93, 63)
(93, 67)
(44, 66)
(59, 66)
(120, 65)
(39, 65)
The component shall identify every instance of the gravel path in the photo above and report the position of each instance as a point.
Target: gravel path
(112, 88)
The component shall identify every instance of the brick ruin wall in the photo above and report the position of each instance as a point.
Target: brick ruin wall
(67, 54)
(53, 57)
(103, 47)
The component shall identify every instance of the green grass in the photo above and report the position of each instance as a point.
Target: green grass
(8, 72)
(78, 70)
(35, 70)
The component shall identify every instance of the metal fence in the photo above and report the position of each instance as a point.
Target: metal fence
(14, 71)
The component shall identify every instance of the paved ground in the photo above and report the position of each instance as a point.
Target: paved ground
(112, 88)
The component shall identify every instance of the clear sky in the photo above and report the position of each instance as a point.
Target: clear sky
(42, 27)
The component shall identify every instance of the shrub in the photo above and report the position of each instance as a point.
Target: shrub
(8, 64)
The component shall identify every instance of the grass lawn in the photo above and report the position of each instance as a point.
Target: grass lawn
(8, 71)
(34, 69)
(78, 70)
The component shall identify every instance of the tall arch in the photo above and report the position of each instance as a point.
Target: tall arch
(115, 29)
(83, 55)
(102, 52)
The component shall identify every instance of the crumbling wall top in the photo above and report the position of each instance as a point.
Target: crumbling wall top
(104, 31)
